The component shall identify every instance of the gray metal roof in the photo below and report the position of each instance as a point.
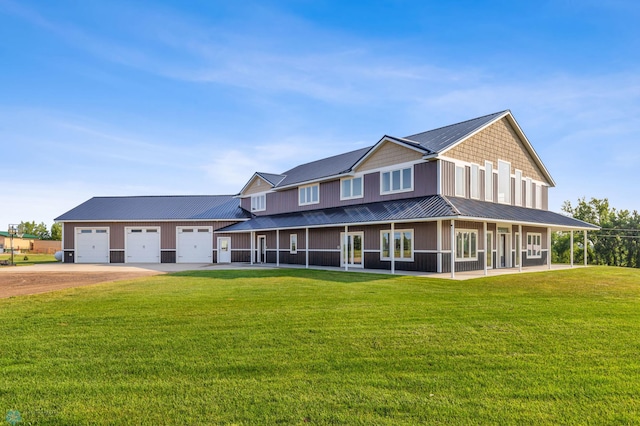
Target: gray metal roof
(437, 140)
(272, 178)
(484, 210)
(325, 167)
(188, 207)
(385, 211)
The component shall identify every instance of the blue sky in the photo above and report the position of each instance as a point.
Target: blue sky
(147, 98)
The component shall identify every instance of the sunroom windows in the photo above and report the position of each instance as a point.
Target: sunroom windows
(400, 180)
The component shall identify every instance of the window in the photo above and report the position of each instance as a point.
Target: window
(538, 196)
(258, 203)
(534, 246)
(518, 189)
(402, 245)
(309, 194)
(351, 188)
(293, 243)
(466, 244)
(396, 180)
(460, 183)
(504, 182)
(528, 193)
(475, 181)
(488, 180)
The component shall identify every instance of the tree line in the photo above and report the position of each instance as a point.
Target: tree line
(40, 230)
(617, 243)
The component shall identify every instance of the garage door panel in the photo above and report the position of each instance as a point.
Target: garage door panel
(194, 244)
(92, 245)
(142, 245)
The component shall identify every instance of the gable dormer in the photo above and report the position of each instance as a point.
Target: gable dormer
(261, 182)
(389, 152)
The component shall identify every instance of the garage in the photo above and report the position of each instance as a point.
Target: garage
(92, 245)
(142, 245)
(194, 244)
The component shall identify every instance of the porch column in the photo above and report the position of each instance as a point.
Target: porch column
(487, 252)
(392, 244)
(453, 248)
(306, 246)
(549, 252)
(519, 254)
(439, 246)
(585, 246)
(253, 239)
(277, 247)
(344, 252)
(572, 248)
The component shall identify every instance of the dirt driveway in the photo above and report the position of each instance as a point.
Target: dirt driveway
(43, 278)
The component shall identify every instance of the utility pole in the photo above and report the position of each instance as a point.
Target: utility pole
(14, 231)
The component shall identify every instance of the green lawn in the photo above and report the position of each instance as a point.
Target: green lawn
(32, 259)
(315, 347)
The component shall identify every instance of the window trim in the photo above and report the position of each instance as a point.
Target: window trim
(518, 188)
(392, 244)
(460, 183)
(501, 176)
(538, 196)
(469, 232)
(293, 243)
(528, 193)
(488, 181)
(304, 188)
(255, 198)
(532, 244)
(474, 181)
(351, 179)
(390, 171)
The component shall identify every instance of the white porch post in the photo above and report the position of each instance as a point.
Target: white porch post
(344, 253)
(519, 254)
(439, 246)
(253, 238)
(487, 252)
(585, 247)
(306, 246)
(549, 252)
(572, 248)
(277, 247)
(392, 243)
(453, 248)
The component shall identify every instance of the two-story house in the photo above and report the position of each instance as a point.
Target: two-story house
(469, 196)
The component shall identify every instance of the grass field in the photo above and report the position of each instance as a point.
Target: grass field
(317, 347)
(31, 258)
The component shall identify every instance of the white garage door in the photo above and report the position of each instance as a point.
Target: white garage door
(142, 245)
(195, 244)
(92, 245)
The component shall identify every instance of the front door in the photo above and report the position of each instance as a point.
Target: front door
(503, 251)
(262, 249)
(224, 250)
(352, 249)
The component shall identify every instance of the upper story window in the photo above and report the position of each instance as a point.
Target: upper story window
(460, 181)
(258, 203)
(518, 189)
(538, 196)
(309, 194)
(488, 180)
(475, 181)
(351, 188)
(504, 182)
(528, 193)
(400, 180)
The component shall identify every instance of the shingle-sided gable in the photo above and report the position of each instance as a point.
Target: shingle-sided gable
(500, 140)
(387, 153)
(256, 185)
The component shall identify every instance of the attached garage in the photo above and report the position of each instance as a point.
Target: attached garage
(194, 244)
(142, 245)
(92, 245)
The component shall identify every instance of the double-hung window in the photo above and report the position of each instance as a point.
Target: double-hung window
(504, 182)
(488, 181)
(534, 245)
(538, 196)
(528, 193)
(400, 180)
(460, 181)
(475, 181)
(351, 188)
(309, 194)
(518, 188)
(402, 245)
(258, 203)
(466, 244)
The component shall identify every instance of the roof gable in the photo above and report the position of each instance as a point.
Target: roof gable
(387, 152)
(259, 182)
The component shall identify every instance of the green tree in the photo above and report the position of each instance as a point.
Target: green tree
(40, 230)
(56, 231)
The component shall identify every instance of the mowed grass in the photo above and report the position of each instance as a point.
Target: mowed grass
(31, 258)
(316, 347)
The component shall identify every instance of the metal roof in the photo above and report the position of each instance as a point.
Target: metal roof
(498, 212)
(24, 236)
(438, 140)
(384, 211)
(272, 178)
(188, 207)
